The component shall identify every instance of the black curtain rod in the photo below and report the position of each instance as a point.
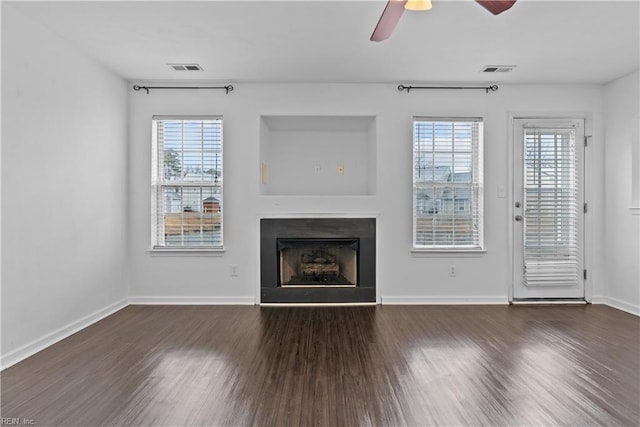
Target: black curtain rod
(228, 88)
(491, 88)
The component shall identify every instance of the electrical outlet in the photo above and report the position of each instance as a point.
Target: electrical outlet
(317, 169)
(452, 271)
(234, 270)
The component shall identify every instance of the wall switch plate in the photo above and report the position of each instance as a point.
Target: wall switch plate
(317, 168)
(452, 271)
(234, 270)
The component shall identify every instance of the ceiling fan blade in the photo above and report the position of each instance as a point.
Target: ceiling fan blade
(496, 6)
(388, 20)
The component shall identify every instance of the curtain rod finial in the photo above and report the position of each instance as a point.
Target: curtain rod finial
(138, 87)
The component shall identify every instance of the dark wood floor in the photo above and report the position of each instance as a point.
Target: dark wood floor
(337, 366)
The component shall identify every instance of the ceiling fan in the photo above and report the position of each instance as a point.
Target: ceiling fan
(394, 9)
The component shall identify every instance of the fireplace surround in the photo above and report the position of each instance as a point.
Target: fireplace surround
(317, 260)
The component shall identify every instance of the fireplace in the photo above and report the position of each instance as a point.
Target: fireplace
(317, 260)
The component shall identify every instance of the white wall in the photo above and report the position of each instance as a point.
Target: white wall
(402, 276)
(622, 228)
(64, 187)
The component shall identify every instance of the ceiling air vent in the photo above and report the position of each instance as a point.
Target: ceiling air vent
(186, 67)
(498, 68)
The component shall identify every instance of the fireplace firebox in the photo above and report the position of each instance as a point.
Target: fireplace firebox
(317, 260)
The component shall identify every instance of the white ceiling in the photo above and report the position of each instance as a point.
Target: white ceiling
(328, 41)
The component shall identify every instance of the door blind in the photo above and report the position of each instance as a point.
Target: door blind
(551, 186)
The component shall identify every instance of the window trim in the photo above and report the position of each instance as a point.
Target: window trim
(186, 250)
(418, 252)
(444, 250)
(157, 183)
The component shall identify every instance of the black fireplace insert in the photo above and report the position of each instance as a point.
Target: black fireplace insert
(312, 260)
(318, 262)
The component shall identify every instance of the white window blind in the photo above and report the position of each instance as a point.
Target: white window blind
(551, 231)
(447, 183)
(187, 181)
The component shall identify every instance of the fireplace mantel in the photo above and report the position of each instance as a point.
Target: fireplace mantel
(317, 215)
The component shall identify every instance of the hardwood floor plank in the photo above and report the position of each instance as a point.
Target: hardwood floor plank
(337, 366)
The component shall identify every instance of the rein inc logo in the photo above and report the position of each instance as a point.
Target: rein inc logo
(17, 421)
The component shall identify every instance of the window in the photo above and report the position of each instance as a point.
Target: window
(187, 182)
(447, 184)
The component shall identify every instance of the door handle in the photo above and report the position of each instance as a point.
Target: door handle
(518, 217)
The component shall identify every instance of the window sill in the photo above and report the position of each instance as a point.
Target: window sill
(208, 252)
(443, 252)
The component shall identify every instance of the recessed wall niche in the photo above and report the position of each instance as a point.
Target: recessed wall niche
(318, 155)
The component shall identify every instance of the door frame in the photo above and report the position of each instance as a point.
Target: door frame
(586, 242)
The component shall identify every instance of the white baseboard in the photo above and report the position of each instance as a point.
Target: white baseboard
(141, 300)
(21, 353)
(616, 303)
(49, 339)
(445, 300)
